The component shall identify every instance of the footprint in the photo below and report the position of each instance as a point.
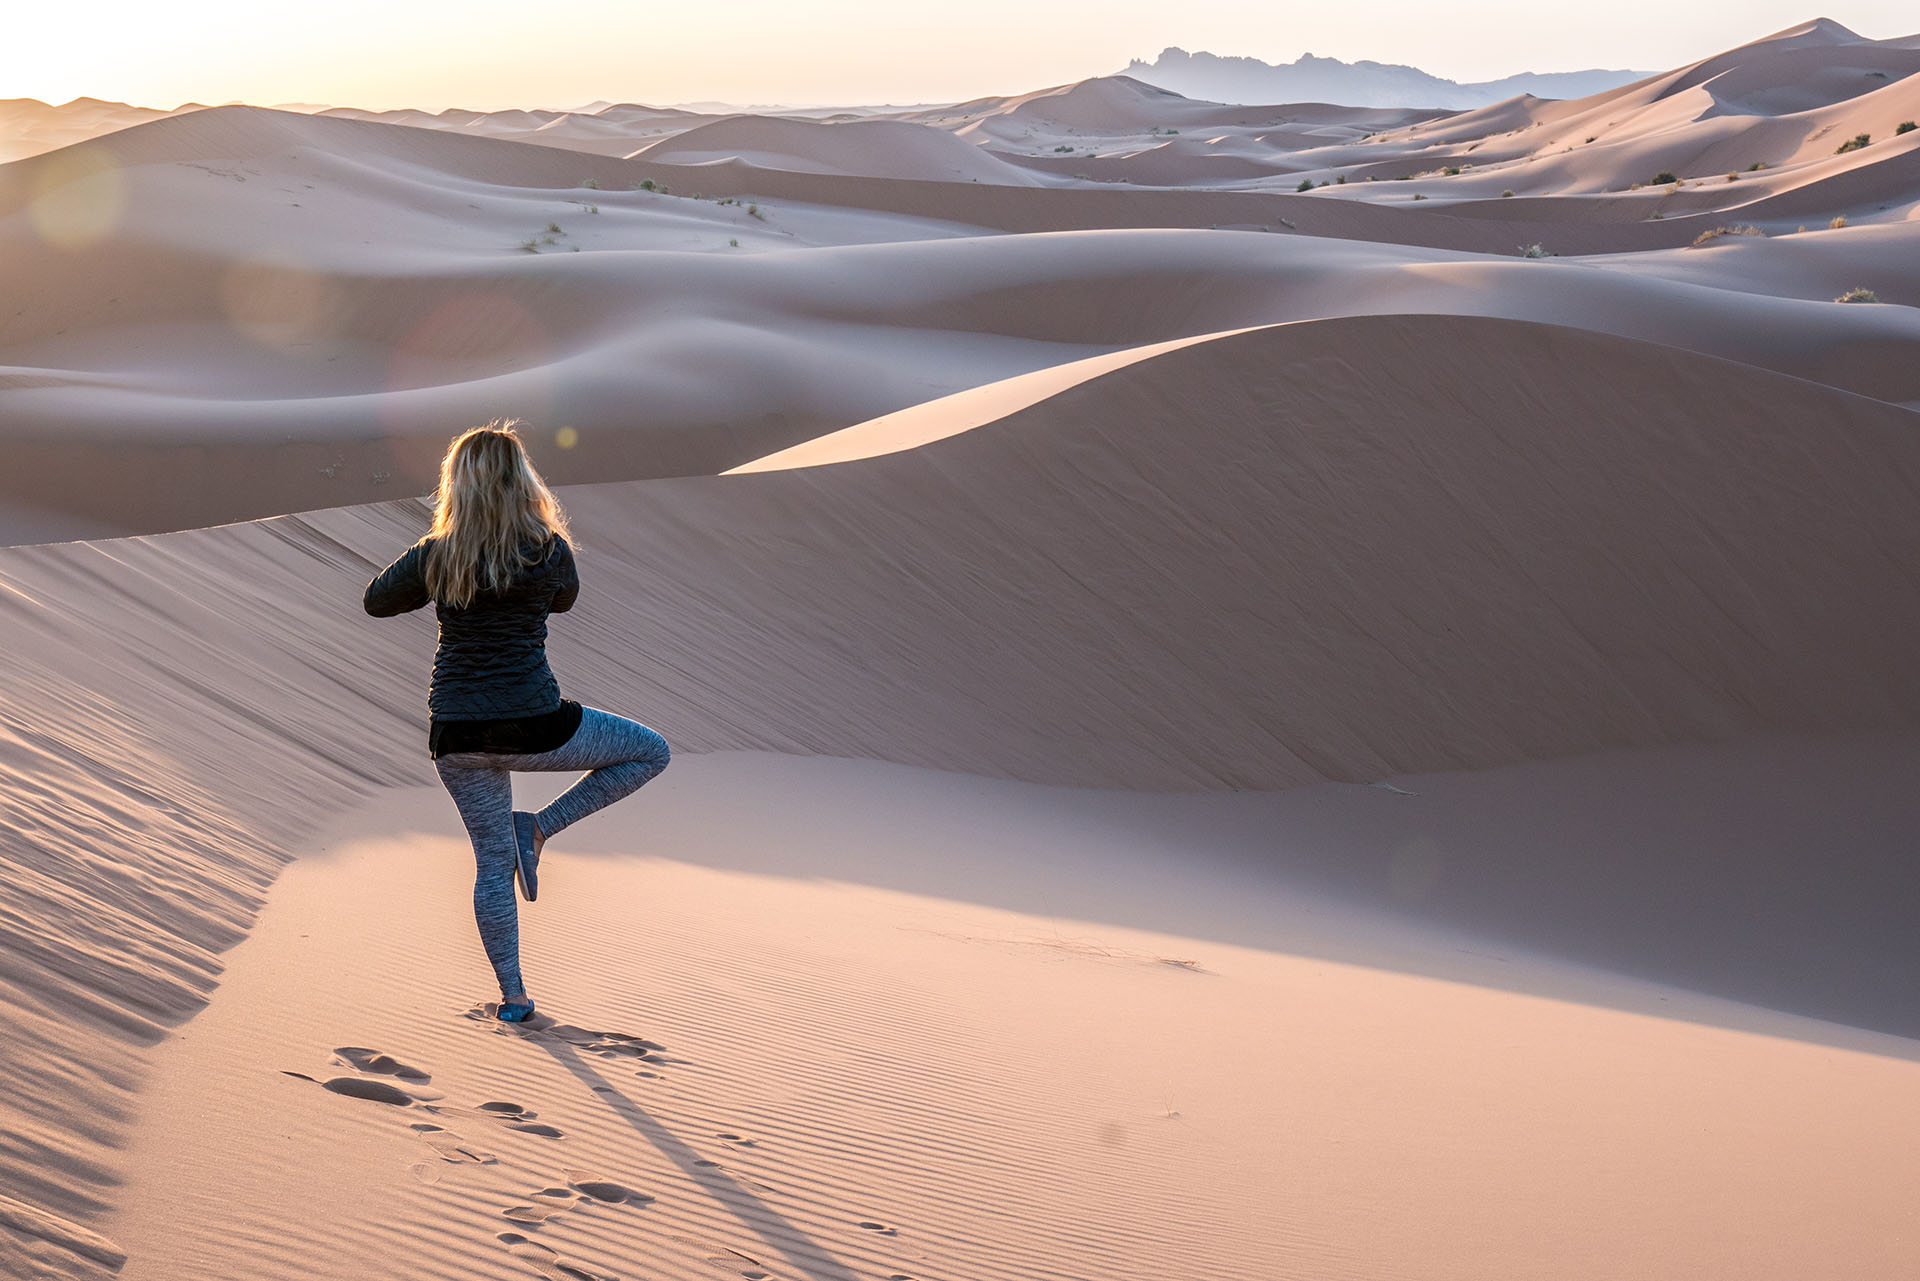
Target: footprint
(543, 1205)
(534, 1214)
(604, 1189)
(734, 1140)
(755, 1270)
(380, 1064)
(373, 1091)
(456, 1150)
(488, 1012)
(543, 1130)
(360, 1088)
(548, 1262)
(881, 1228)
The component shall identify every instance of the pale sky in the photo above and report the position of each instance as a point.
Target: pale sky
(489, 54)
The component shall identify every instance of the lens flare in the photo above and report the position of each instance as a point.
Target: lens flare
(77, 197)
(478, 355)
(566, 438)
(280, 304)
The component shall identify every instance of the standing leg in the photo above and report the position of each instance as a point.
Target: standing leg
(484, 795)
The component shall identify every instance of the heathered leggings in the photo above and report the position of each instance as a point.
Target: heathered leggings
(621, 754)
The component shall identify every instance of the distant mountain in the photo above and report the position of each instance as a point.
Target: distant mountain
(1353, 84)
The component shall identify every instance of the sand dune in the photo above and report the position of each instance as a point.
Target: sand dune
(1397, 581)
(387, 284)
(870, 148)
(29, 126)
(1405, 655)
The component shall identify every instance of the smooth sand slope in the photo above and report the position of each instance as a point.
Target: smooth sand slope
(1480, 546)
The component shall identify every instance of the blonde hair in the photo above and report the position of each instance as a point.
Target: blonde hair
(490, 502)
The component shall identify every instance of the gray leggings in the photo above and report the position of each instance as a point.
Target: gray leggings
(622, 754)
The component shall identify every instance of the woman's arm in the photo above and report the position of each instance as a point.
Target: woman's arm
(401, 586)
(569, 589)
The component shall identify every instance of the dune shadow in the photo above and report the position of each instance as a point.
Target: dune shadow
(1777, 873)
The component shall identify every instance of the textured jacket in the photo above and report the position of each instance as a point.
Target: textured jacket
(491, 662)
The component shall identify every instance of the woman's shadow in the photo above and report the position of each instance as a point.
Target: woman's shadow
(779, 1232)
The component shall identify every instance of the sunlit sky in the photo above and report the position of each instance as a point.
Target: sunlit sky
(488, 54)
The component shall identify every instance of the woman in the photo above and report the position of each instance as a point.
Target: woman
(495, 563)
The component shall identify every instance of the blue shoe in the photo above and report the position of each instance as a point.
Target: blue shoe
(514, 1012)
(529, 862)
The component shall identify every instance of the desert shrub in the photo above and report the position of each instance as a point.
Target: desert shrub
(1063, 147)
(1340, 180)
(593, 208)
(1536, 251)
(1664, 176)
(1306, 184)
(1905, 126)
(1858, 295)
(1713, 234)
(1656, 216)
(1854, 143)
(1507, 194)
(593, 183)
(1756, 166)
(1419, 196)
(645, 184)
(553, 228)
(1451, 170)
(753, 211)
(1838, 221)
(735, 243)
(532, 246)
(1733, 177)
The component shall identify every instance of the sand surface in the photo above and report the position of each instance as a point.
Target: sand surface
(778, 1070)
(1226, 726)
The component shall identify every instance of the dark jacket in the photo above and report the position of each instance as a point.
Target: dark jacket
(491, 663)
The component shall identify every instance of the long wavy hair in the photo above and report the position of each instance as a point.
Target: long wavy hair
(490, 506)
